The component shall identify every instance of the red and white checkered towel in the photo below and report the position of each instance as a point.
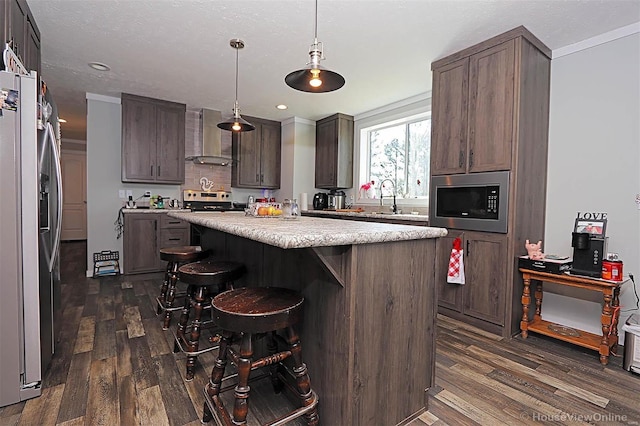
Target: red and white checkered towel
(455, 275)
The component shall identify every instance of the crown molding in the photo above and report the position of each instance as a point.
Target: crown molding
(597, 40)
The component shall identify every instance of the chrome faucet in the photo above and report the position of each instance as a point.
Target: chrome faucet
(393, 185)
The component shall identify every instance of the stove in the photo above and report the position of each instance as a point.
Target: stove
(199, 201)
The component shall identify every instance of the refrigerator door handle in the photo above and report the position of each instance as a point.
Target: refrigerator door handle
(58, 168)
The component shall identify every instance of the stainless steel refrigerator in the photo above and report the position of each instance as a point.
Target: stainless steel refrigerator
(30, 222)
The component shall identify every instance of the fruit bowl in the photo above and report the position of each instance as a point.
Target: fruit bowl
(264, 210)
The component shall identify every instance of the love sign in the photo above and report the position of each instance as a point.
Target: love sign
(592, 216)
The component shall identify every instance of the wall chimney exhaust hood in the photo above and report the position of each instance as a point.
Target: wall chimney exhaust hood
(211, 140)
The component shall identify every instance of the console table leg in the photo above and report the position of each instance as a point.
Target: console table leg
(526, 300)
(538, 296)
(616, 318)
(606, 324)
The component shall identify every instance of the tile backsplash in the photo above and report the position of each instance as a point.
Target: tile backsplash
(219, 175)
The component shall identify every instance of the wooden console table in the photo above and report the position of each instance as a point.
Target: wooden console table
(605, 344)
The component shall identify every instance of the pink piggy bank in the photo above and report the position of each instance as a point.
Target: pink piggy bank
(534, 250)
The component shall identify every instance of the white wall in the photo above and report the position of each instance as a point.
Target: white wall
(287, 158)
(304, 154)
(104, 127)
(594, 162)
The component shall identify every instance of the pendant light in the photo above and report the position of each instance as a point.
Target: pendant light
(236, 123)
(315, 78)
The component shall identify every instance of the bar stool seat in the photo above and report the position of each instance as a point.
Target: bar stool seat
(204, 278)
(242, 314)
(174, 256)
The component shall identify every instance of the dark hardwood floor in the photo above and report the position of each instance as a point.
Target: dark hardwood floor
(114, 366)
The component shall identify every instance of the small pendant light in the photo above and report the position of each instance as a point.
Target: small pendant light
(315, 78)
(236, 123)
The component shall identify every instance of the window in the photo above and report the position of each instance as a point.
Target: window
(399, 151)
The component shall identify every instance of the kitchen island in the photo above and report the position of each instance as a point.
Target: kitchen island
(368, 334)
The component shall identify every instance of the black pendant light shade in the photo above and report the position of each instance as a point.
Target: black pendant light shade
(301, 80)
(236, 123)
(315, 78)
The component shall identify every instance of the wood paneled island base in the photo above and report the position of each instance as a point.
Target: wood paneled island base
(369, 321)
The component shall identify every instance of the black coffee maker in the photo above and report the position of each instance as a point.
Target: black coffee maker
(589, 247)
(320, 201)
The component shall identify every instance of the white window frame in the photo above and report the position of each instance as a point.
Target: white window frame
(417, 107)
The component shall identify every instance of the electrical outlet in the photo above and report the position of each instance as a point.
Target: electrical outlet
(147, 193)
(121, 193)
(129, 193)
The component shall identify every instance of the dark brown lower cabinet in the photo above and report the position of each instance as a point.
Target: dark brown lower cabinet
(482, 299)
(145, 234)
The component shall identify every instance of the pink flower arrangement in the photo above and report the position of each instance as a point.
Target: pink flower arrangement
(368, 185)
(367, 190)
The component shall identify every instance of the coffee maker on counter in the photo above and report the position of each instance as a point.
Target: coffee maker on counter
(320, 201)
(335, 200)
(589, 244)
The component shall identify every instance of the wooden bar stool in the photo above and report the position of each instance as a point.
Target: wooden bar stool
(174, 256)
(205, 279)
(242, 313)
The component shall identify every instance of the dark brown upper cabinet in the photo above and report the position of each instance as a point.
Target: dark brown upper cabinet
(153, 134)
(18, 27)
(256, 155)
(473, 101)
(334, 152)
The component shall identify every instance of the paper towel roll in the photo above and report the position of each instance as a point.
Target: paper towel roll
(303, 202)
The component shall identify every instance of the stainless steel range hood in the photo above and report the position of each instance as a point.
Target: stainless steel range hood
(211, 140)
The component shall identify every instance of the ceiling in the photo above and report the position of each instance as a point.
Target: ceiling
(179, 50)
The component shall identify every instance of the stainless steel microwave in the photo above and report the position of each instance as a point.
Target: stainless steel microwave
(476, 201)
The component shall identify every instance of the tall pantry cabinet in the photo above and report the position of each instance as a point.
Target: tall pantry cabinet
(490, 112)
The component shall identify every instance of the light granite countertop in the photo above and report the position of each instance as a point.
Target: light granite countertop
(155, 210)
(307, 231)
(373, 215)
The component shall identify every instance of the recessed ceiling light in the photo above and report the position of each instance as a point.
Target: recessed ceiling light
(99, 66)
(281, 106)
(61, 120)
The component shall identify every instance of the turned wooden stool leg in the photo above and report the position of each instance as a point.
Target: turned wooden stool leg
(194, 336)
(302, 377)
(272, 349)
(170, 295)
(215, 382)
(165, 286)
(184, 318)
(241, 393)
